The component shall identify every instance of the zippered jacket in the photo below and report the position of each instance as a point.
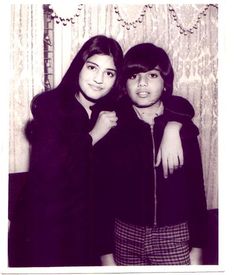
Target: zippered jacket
(128, 186)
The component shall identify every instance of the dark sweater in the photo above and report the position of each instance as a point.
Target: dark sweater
(51, 224)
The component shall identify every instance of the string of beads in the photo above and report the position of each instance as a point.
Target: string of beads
(182, 29)
(63, 20)
(133, 24)
(126, 24)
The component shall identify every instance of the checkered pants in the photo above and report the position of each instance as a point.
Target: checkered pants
(144, 245)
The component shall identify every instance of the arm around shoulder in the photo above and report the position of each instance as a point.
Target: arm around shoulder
(179, 109)
(179, 113)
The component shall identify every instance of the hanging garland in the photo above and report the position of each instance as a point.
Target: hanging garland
(128, 24)
(65, 20)
(183, 30)
(125, 23)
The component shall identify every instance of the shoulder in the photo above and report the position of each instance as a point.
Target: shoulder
(179, 105)
(123, 106)
(45, 102)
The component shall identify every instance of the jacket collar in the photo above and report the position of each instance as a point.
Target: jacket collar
(127, 114)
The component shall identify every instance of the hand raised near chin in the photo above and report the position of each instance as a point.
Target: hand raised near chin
(105, 122)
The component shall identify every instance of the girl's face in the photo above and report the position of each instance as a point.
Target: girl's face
(97, 76)
(145, 88)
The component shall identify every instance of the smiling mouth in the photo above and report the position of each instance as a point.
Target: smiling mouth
(96, 88)
(143, 94)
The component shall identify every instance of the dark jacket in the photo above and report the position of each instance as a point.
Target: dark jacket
(131, 188)
(51, 223)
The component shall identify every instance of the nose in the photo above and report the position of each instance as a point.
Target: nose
(142, 80)
(98, 78)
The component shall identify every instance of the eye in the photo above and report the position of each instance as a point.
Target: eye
(111, 74)
(91, 67)
(153, 75)
(133, 76)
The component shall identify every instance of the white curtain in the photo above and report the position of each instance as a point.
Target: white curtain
(194, 58)
(26, 68)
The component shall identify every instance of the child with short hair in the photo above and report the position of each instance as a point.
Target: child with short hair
(144, 218)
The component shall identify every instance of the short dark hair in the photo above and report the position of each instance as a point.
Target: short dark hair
(99, 44)
(145, 57)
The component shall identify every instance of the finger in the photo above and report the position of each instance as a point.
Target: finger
(115, 118)
(110, 112)
(170, 165)
(176, 164)
(158, 158)
(181, 159)
(113, 124)
(103, 112)
(110, 116)
(165, 168)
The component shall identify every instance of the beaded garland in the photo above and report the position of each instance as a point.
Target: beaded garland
(183, 30)
(63, 20)
(128, 24)
(125, 23)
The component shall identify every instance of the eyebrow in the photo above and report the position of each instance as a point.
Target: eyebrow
(110, 69)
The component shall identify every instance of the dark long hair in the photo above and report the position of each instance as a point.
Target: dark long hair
(99, 44)
(145, 57)
(69, 84)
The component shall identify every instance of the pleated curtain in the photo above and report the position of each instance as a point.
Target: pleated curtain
(189, 33)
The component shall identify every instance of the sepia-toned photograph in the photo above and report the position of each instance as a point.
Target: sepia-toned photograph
(113, 138)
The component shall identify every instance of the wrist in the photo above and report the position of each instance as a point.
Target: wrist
(174, 126)
(94, 137)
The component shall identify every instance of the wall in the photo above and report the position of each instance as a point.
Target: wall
(193, 53)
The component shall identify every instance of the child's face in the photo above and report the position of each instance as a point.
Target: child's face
(145, 88)
(97, 76)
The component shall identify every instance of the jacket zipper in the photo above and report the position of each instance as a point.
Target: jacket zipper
(155, 176)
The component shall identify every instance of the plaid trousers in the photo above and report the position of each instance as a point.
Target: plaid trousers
(144, 245)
